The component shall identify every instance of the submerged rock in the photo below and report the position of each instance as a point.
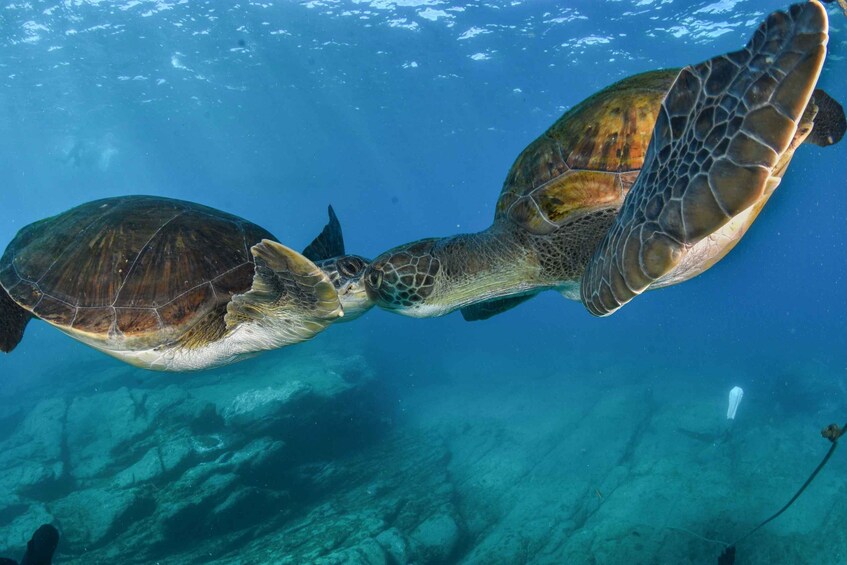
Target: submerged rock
(436, 539)
(32, 459)
(255, 407)
(246, 498)
(369, 552)
(184, 474)
(104, 428)
(88, 516)
(395, 545)
(149, 467)
(176, 453)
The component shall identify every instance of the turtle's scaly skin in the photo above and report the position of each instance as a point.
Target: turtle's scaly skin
(567, 188)
(133, 284)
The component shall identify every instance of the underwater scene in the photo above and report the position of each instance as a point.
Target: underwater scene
(360, 282)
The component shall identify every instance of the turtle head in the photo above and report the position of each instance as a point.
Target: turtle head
(346, 273)
(433, 277)
(403, 279)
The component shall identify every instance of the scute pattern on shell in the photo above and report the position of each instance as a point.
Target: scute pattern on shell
(138, 270)
(723, 138)
(588, 159)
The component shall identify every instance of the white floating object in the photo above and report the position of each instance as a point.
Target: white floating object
(735, 396)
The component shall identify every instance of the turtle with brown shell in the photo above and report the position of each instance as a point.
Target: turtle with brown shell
(172, 285)
(643, 185)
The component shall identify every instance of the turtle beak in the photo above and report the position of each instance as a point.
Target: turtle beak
(355, 299)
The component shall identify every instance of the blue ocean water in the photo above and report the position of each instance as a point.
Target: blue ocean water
(540, 436)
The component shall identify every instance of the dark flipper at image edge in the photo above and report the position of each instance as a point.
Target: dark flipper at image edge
(13, 321)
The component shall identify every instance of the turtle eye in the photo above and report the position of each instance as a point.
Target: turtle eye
(375, 278)
(348, 267)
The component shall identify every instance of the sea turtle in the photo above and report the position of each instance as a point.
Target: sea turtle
(576, 215)
(172, 285)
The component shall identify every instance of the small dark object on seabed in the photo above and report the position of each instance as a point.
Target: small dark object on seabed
(832, 432)
(728, 556)
(39, 549)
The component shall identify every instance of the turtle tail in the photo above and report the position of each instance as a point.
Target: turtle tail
(13, 321)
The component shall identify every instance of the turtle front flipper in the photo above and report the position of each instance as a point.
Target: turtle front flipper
(290, 300)
(722, 130)
(13, 321)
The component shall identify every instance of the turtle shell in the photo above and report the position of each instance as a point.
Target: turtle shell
(134, 272)
(588, 159)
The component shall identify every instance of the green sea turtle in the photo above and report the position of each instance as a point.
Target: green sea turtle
(172, 285)
(643, 185)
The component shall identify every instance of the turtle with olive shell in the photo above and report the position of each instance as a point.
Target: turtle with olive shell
(643, 185)
(172, 285)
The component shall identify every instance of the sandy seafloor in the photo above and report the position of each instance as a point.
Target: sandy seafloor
(541, 436)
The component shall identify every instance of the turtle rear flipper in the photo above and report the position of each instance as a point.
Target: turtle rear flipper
(13, 321)
(329, 243)
(722, 129)
(290, 300)
(830, 122)
(489, 308)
